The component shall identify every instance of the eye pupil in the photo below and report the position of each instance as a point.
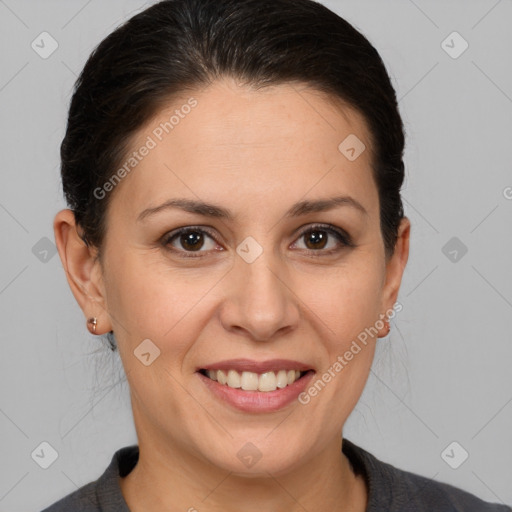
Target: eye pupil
(192, 240)
(315, 237)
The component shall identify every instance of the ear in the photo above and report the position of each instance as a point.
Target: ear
(83, 270)
(396, 265)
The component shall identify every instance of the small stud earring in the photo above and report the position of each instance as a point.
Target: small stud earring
(91, 324)
(388, 327)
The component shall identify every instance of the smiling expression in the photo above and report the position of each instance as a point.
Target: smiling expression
(278, 266)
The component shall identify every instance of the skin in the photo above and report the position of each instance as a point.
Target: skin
(255, 152)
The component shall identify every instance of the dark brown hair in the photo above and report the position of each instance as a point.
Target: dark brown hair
(177, 45)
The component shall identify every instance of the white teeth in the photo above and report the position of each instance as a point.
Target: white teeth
(267, 382)
(250, 381)
(233, 379)
(282, 379)
(221, 377)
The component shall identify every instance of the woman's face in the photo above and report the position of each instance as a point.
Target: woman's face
(262, 277)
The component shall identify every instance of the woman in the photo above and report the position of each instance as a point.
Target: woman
(233, 172)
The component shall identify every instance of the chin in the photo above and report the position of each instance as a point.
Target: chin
(254, 456)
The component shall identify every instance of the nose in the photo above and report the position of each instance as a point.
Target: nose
(259, 302)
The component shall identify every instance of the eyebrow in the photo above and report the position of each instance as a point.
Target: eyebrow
(212, 210)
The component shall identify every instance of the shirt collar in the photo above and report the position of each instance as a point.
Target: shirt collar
(110, 497)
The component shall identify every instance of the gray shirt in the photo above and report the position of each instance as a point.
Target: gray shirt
(390, 489)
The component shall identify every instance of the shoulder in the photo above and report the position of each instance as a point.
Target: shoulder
(400, 491)
(104, 494)
(81, 500)
(422, 493)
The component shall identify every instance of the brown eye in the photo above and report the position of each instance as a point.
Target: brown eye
(192, 240)
(317, 239)
(189, 240)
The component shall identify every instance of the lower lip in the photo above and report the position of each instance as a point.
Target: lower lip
(258, 401)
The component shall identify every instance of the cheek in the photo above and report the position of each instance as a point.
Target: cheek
(349, 306)
(149, 300)
(345, 299)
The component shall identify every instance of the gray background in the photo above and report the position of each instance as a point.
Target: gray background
(443, 375)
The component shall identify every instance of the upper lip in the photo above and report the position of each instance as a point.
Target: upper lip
(249, 365)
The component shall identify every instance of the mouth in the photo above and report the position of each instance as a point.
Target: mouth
(256, 386)
(249, 381)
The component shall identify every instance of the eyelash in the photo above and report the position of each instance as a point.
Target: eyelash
(343, 237)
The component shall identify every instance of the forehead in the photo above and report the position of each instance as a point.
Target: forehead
(230, 141)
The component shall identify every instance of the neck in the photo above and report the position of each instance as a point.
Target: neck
(172, 479)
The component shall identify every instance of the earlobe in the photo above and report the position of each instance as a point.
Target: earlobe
(83, 271)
